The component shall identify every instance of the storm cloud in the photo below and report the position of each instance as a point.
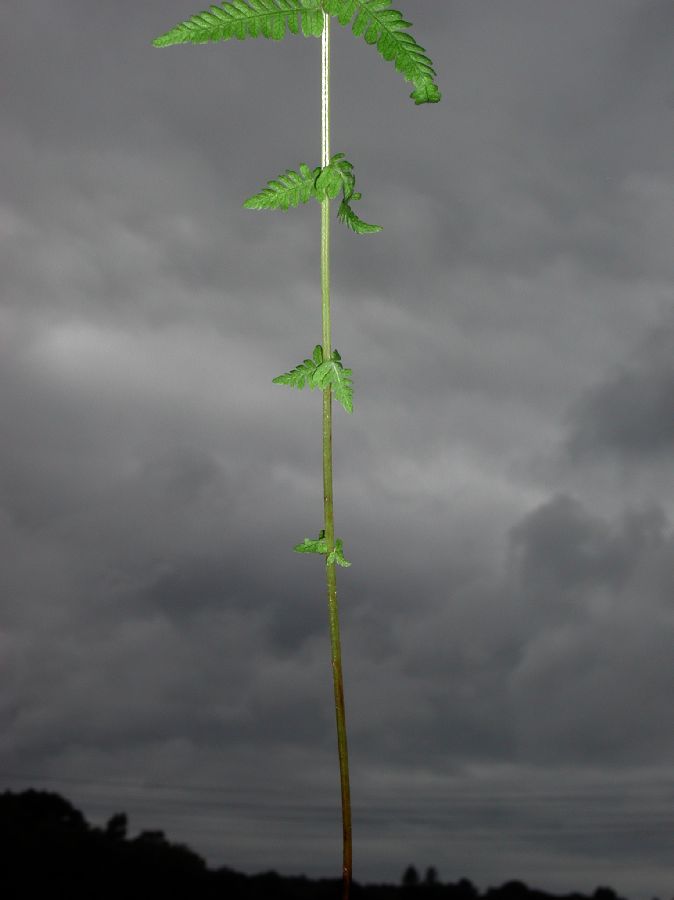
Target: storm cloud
(503, 487)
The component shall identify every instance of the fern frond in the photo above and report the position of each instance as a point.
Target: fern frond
(329, 183)
(346, 215)
(304, 373)
(316, 546)
(337, 555)
(294, 188)
(385, 27)
(248, 18)
(320, 545)
(319, 373)
(287, 190)
(331, 373)
(335, 177)
(338, 175)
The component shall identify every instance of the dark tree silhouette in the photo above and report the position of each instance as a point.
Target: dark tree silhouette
(431, 876)
(116, 827)
(48, 850)
(604, 893)
(466, 890)
(410, 877)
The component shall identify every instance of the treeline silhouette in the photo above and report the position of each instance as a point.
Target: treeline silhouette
(48, 851)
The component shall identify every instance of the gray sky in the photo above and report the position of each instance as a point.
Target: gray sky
(503, 487)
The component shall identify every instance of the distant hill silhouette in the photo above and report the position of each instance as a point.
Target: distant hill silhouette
(49, 851)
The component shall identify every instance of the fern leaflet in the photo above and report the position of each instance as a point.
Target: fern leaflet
(385, 27)
(317, 372)
(338, 174)
(335, 177)
(320, 545)
(287, 190)
(331, 373)
(248, 18)
(346, 215)
(337, 555)
(304, 373)
(292, 188)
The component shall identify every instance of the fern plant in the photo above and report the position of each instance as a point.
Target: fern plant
(385, 28)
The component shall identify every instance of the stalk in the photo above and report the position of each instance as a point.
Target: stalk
(335, 643)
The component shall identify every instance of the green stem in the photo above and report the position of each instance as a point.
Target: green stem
(335, 643)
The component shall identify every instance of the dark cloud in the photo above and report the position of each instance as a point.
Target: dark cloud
(629, 416)
(563, 550)
(589, 662)
(507, 619)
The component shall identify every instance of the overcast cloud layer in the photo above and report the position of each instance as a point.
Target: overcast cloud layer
(504, 487)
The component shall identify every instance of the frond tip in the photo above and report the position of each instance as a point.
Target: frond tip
(248, 18)
(385, 27)
(346, 215)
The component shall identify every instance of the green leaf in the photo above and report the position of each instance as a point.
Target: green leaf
(293, 188)
(337, 555)
(426, 92)
(331, 373)
(385, 27)
(329, 183)
(338, 174)
(316, 546)
(319, 373)
(304, 373)
(248, 18)
(320, 545)
(287, 190)
(346, 215)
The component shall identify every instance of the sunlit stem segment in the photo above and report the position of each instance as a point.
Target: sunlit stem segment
(327, 476)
